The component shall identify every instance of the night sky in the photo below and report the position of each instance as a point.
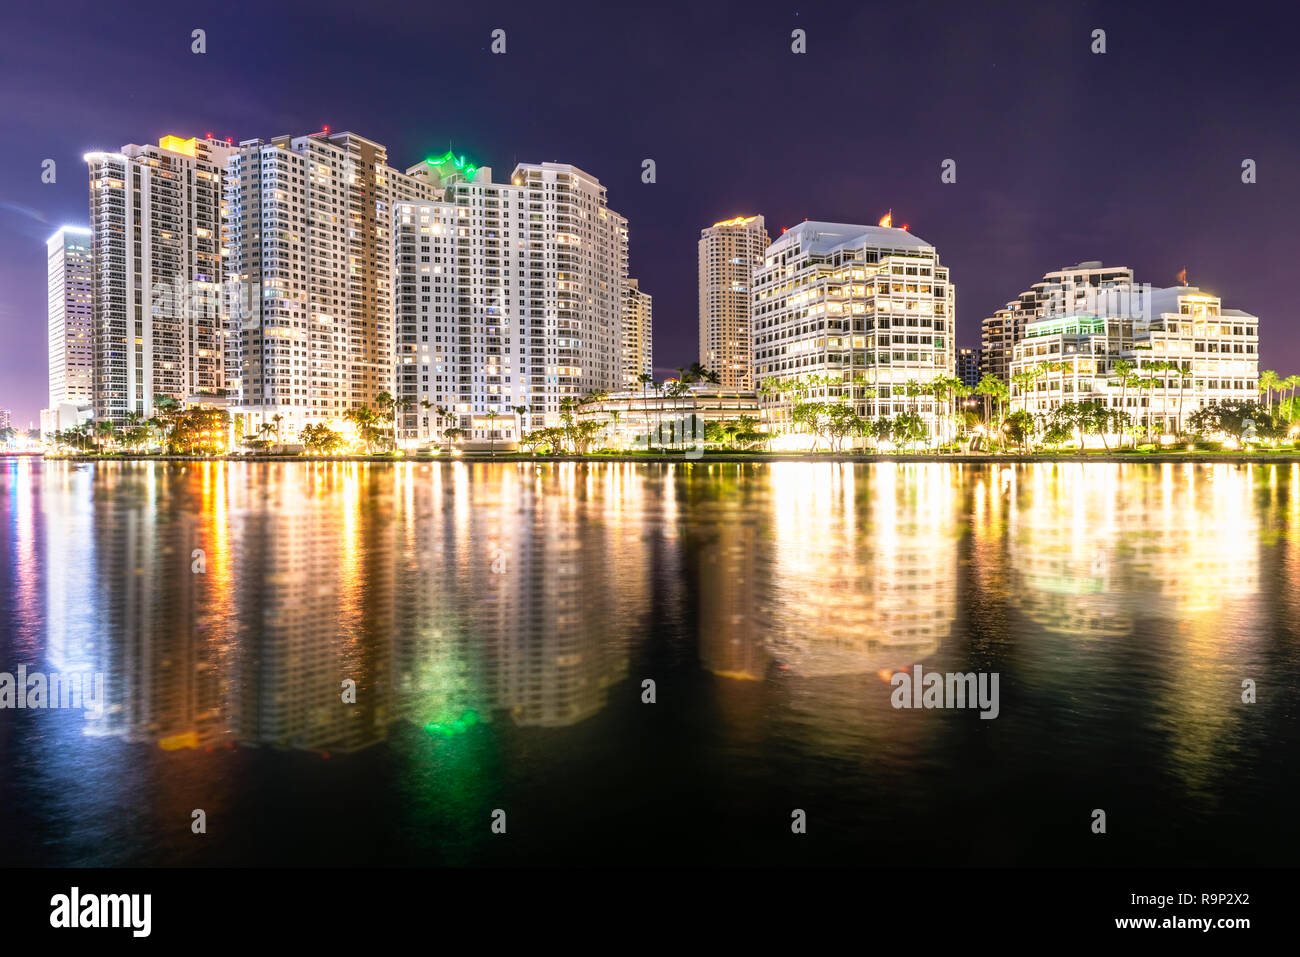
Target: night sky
(1132, 157)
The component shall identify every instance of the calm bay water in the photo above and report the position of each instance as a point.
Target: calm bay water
(499, 621)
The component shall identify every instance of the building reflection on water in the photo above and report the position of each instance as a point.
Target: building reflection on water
(1093, 553)
(449, 594)
(459, 594)
(826, 569)
(520, 590)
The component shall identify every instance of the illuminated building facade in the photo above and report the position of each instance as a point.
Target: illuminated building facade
(310, 326)
(510, 297)
(729, 252)
(156, 247)
(1000, 332)
(1185, 350)
(71, 317)
(638, 334)
(968, 367)
(869, 308)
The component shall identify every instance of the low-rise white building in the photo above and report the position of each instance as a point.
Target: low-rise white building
(660, 418)
(855, 313)
(1064, 291)
(1184, 350)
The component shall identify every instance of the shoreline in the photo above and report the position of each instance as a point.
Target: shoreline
(763, 458)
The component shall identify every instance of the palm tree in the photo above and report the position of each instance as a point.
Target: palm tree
(1291, 382)
(807, 414)
(1162, 368)
(365, 419)
(453, 435)
(389, 408)
(614, 416)
(987, 388)
(768, 389)
(566, 416)
(155, 427)
(1095, 415)
(168, 411)
(960, 392)
(492, 431)
(1123, 370)
(1183, 376)
(645, 379)
(677, 390)
(1022, 380)
(956, 391)
(913, 389)
(697, 373)
(520, 411)
(399, 407)
(443, 417)
(104, 430)
(1147, 383)
(1268, 381)
(425, 407)
(277, 419)
(659, 410)
(940, 389)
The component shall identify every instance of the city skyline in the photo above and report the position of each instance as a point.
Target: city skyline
(664, 437)
(1052, 204)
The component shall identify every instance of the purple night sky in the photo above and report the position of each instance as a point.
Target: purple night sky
(1132, 157)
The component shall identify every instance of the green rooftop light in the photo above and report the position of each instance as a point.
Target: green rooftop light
(457, 164)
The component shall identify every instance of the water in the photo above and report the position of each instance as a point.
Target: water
(499, 621)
